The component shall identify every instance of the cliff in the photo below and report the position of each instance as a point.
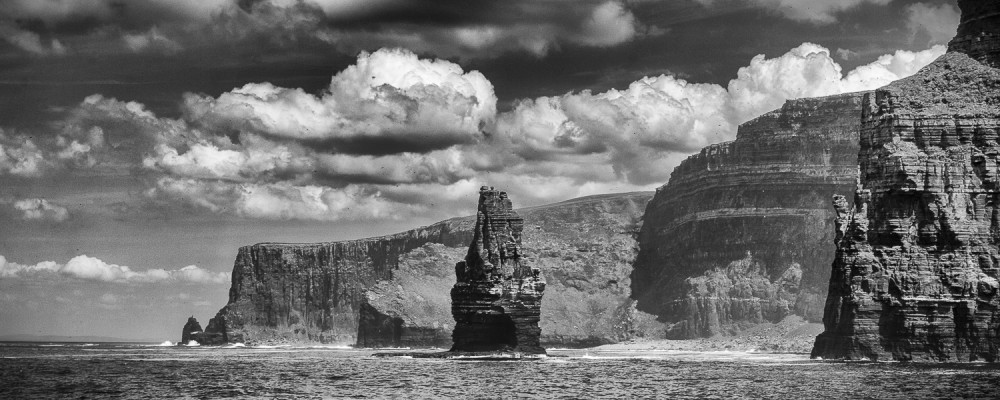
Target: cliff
(978, 34)
(917, 263)
(743, 231)
(497, 299)
(397, 286)
(585, 246)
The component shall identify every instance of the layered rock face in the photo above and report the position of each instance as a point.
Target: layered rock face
(916, 269)
(497, 299)
(742, 233)
(979, 32)
(392, 291)
(313, 292)
(585, 246)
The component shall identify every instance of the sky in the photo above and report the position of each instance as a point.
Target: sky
(143, 142)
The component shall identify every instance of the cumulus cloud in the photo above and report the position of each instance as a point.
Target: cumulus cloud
(938, 22)
(388, 98)
(642, 129)
(41, 210)
(30, 157)
(93, 269)
(395, 136)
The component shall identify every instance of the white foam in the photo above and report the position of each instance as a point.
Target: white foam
(235, 346)
(165, 343)
(264, 346)
(193, 343)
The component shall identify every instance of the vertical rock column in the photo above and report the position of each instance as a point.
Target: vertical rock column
(497, 299)
(916, 268)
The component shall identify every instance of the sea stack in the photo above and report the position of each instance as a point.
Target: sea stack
(191, 329)
(497, 299)
(915, 275)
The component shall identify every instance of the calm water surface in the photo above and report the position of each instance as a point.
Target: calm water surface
(149, 371)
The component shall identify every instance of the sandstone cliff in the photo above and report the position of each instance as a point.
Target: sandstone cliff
(917, 262)
(397, 286)
(743, 231)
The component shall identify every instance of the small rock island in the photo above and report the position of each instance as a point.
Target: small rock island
(497, 300)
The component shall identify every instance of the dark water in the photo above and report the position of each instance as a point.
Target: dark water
(136, 371)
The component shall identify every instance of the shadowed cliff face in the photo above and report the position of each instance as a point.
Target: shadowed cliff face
(743, 231)
(916, 272)
(398, 285)
(978, 36)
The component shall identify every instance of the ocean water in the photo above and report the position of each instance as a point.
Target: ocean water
(150, 371)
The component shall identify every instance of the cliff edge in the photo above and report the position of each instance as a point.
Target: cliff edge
(742, 233)
(917, 263)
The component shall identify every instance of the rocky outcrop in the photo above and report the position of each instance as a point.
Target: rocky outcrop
(917, 263)
(743, 231)
(979, 32)
(497, 299)
(585, 246)
(392, 291)
(191, 328)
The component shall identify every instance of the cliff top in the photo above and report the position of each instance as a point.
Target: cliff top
(469, 220)
(954, 84)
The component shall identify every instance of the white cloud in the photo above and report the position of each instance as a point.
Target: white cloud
(41, 209)
(89, 268)
(938, 22)
(814, 11)
(20, 159)
(389, 95)
(152, 39)
(396, 136)
(641, 131)
(609, 24)
(279, 200)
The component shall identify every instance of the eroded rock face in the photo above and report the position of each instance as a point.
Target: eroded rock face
(191, 328)
(916, 268)
(497, 299)
(586, 247)
(742, 233)
(312, 293)
(393, 291)
(979, 32)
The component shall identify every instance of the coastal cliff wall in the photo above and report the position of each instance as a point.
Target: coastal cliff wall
(397, 286)
(313, 292)
(743, 231)
(917, 264)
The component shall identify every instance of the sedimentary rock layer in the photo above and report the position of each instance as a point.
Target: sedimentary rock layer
(917, 263)
(586, 248)
(313, 292)
(979, 32)
(742, 233)
(392, 291)
(497, 299)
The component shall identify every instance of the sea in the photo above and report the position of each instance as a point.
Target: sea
(145, 371)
